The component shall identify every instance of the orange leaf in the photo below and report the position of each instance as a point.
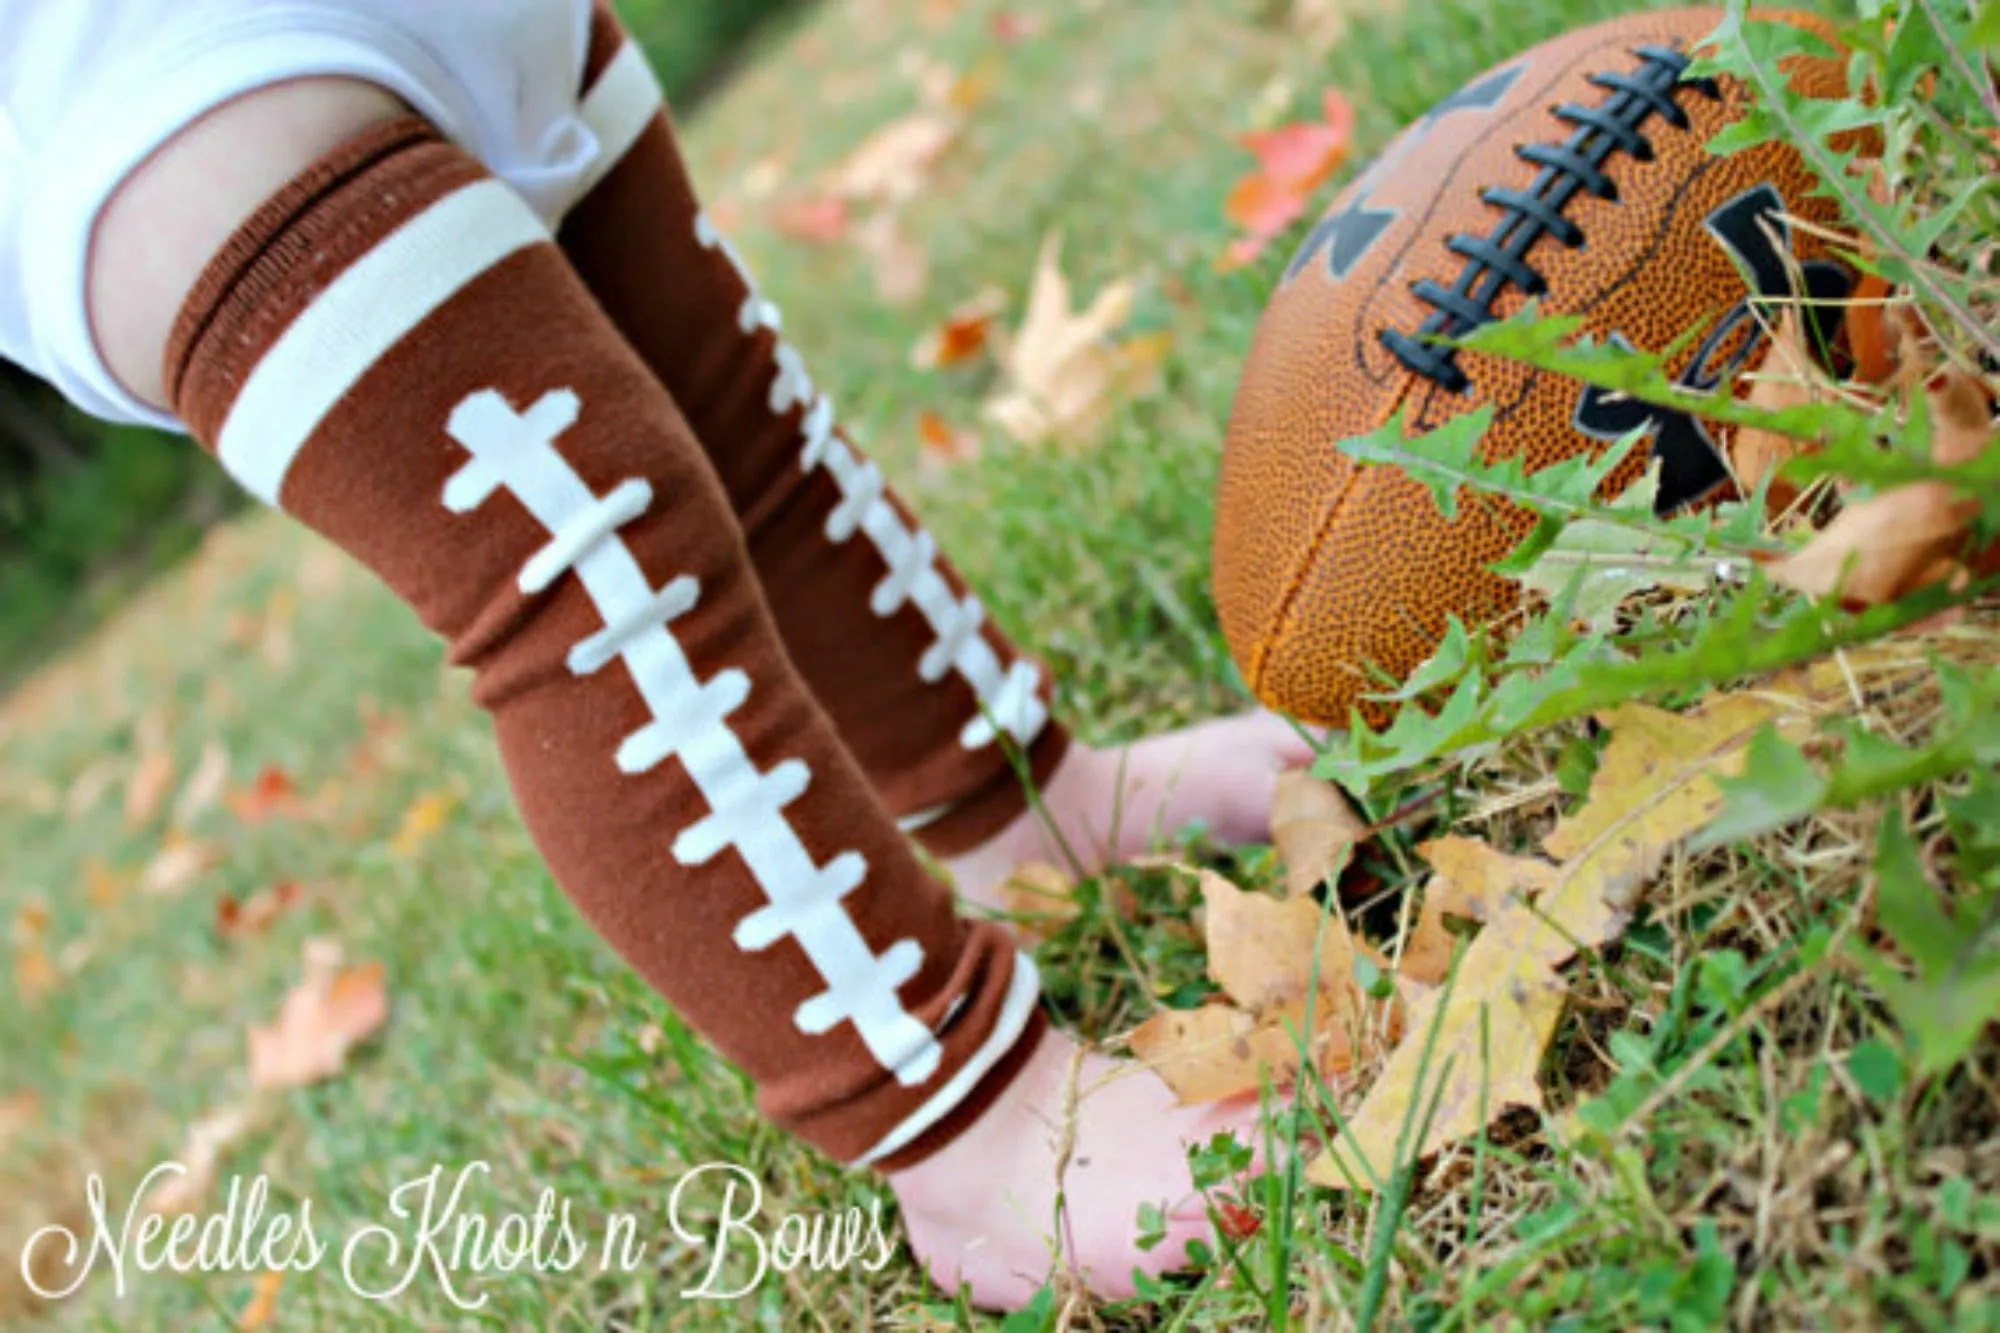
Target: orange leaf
(1293, 161)
(963, 335)
(944, 445)
(236, 920)
(263, 1306)
(1471, 881)
(324, 1017)
(272, 794)
(1314, 829)
(424, 817)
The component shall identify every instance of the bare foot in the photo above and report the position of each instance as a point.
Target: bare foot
(1113, 804)
(1109, 1135)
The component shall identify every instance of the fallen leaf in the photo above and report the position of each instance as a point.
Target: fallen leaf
(178, 863)
(101, 885)
(890, 165)
(151, 779)
(18, 1111)
(238, 920)
(1654, 786)
(1213, 1052)
(1887, 546)
(1293, 161)
(34, 975)
(1470, 880)
(272, 795)
(942, 444)
(332, 1010)
(900, 264)
(975, 85)
(1483, 1058)
(263, 1304)
(1786, 379)
(963, 335)
(204, 785)
(1315, 829)
(199, 1156)
(1010, 26)
(819, 219)
(1065, 375)
(425, 817)
(1040, 899)
(1261, 949)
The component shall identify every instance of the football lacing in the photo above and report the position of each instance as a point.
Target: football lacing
(1498, 259)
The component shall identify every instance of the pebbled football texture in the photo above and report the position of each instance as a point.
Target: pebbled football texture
(1577, 173)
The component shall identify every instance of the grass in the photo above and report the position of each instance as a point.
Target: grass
(1755, 1153)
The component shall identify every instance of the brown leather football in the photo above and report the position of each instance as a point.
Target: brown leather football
(1577, 174)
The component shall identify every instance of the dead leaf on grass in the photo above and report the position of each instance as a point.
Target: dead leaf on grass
(1887, 546)
(152, 777)
(963, 335)
(330, 1012)
(1315, 829)
(179, 862)
(1064, 374)
(425, 816)
(1469, 880)
(200, 1155)
(254, 916)
(1040, 899)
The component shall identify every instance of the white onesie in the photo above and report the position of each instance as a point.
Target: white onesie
(90, 88)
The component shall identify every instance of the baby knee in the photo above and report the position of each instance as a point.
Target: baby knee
(167, 220)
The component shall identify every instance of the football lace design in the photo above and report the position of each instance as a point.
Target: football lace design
(1576, 164)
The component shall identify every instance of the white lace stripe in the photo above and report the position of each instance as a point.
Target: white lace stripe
(861, 492)
(767, 925)
(756, 313)
(669, 604)
(1015, 1011)
(363, 313)
(1015, 708)
(690, 724)
(827, 1010)
(584, 530)
(618, 108)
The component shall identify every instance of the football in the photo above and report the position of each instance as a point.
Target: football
(1576, 174)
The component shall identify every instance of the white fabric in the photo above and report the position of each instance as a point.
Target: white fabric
(90, 88)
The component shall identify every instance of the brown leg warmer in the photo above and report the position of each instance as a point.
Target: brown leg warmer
(924, 690)
(395, 351)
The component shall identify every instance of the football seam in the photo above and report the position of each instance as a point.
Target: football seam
(1295, 585)
(1576, 166)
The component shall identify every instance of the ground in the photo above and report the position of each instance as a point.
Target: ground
(516, 1038)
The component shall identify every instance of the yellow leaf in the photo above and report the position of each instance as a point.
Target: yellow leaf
(1064, 375)
(1314, 829)
(1261, 949)
(424, 818)
(1040, 898)
(1488, 1046)
(263, 1304)
(333, 1009)
(1471, 881)
(1654, 785)
(1213, 1052)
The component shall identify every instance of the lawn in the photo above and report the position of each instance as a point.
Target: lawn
(1765, 1182)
